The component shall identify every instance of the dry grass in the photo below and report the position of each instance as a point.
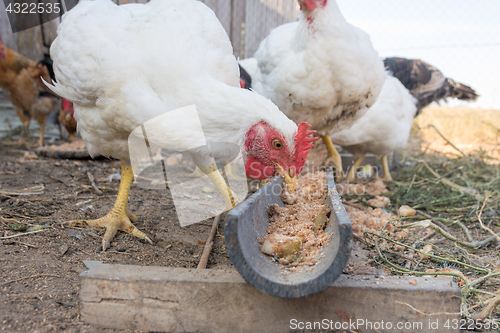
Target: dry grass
(470, 130)
(456, 231)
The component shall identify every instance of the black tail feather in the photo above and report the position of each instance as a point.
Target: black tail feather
(462, 91)
(245, 79)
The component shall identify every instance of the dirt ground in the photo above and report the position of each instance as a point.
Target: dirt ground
(39, 272)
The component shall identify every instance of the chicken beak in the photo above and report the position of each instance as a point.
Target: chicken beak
(290, 178)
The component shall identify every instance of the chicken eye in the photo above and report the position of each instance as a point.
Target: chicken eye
(277, 144)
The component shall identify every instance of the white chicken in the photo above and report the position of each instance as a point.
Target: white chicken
(320, 69)
(383, 129)
(124, 65)
(410, 85)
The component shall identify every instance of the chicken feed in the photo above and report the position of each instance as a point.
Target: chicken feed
(296, 231)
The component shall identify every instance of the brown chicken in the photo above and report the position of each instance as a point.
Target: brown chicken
(66, 111)
(20, 78)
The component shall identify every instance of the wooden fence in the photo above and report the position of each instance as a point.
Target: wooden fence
(247, 22)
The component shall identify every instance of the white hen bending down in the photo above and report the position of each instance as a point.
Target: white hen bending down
(320, 69)
(124, 65)
(383, 129)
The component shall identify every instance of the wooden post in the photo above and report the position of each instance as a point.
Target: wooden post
(9, 39)
(262, 16)
(168, 299)
(238, 16)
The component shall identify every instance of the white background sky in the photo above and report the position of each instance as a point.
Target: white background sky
(459, 37)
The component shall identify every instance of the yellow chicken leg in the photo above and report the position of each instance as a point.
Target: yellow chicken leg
(352, 173)
(385, 168)
(120, 217)
(229, 196)
(333, 156)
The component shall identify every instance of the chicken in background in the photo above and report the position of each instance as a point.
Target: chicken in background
(43, 106)
(121, 72)
(383, 129)
(66, 118)
(20, 78)
(320, 69)
(410, 85)
(426, 83)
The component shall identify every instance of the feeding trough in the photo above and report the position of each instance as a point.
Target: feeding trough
(248, 222)
(168, 299)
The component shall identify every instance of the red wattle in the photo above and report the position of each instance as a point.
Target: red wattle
(257, 170)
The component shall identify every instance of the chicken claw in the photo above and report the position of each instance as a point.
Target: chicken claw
(385, 167)
(352, 173)
(230, 198)
(333, 157)
(119, 218)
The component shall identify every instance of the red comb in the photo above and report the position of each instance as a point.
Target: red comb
(302, 140)
(303, 144)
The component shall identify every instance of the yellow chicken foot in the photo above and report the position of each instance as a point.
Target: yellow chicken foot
(230, 198)
(385, 168)
(120, 217)
(333, 157)
(352, 173)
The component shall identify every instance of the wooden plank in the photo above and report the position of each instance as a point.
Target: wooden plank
(30, 43)
(222, 9)
(50, 32)
(238, 15)
(9, 39)
(188, 300)
(262, 16)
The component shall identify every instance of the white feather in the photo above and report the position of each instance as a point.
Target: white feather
(124, 65)
(320, 69)
(385, 127)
